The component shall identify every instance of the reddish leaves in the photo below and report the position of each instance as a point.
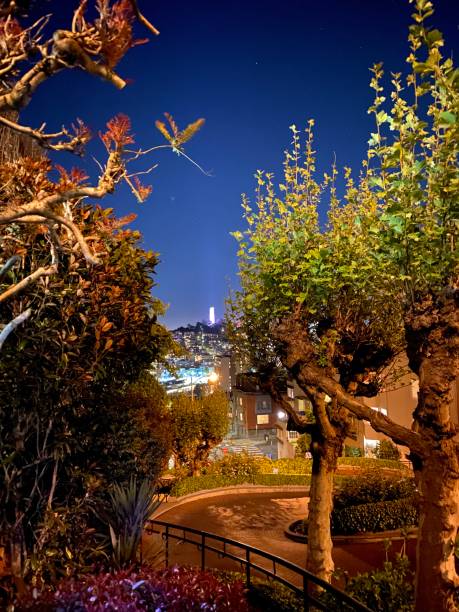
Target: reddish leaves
(118, 133)
(177, 589)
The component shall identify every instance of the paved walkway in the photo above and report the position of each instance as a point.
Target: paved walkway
(259, 519)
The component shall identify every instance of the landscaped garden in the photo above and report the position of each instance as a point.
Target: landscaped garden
(348, 282)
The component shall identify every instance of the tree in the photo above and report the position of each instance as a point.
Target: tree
(62, 424)
(197, 426)
(351, 336)
(29, 56)
(383, 271)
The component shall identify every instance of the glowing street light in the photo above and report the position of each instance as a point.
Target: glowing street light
(213, 378)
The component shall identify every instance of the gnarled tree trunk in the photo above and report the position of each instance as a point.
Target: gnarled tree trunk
(326, 446)
(432, 332)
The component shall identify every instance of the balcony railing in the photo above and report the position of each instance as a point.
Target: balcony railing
(314, 592)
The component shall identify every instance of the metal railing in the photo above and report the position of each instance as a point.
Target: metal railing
(307, 586)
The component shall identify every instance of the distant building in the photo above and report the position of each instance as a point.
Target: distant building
(212, 315)
(398, 401)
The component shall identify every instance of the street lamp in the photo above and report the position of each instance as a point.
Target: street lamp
(213, 378)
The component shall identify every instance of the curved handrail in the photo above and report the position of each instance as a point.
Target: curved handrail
(307, 577)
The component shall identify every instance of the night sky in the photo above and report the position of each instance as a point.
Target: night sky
(251, 68)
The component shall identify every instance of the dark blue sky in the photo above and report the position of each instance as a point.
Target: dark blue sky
(251, 68)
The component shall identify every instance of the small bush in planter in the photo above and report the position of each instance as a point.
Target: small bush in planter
(371, 487)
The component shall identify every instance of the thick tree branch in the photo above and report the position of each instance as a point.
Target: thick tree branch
(312, 375)
(269, 384)
(298, 357)
(75, 143)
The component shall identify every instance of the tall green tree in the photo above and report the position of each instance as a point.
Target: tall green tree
(384, 270)
(62, 376)
(197, 425)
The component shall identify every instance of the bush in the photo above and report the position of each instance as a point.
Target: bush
(370, 463)
(376, 516)
(299, 465)
(385, 449)
(273, 597)
(352, 451)
(372, 487)
(194, 484)
(178, 588)
(387, 589)
(238, 465)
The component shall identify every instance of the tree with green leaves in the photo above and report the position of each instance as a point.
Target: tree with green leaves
(197, 425)
(382, 274)
(64, 421)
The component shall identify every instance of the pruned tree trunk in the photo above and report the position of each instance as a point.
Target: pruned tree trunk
(433, 350)
(324, 461)
(326, 446)
(436, 576)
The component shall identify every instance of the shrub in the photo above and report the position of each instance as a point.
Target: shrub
(126, 513)
(370, 463)
(273, 597)
(372, 487)
(194, 484)
(352, 451)
(298, 465)
(178, 588)
(387, 589)
(238, 465)
(303, 445)
(385, 449)
(376, 516)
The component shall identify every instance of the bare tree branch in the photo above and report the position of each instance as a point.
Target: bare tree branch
(11, 326)
(75, 143)
(143, 20)
(28, 280)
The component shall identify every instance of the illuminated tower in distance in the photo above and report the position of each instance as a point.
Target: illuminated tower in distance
(212, 315)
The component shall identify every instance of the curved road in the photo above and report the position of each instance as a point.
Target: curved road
(259, 519)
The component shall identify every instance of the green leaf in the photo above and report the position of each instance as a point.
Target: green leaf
(447, 117)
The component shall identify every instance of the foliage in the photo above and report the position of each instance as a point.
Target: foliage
(68, 545)
(141, 428)
(385, 449)
(387, 589)
(239, 465)
(128, 510)
(370, 487)
(197, 425)
(193, 484)
(369, 463)
(376, 516)
(178, 588)
(65, 431)
(355, 451)
(303, 445)
(273, 597)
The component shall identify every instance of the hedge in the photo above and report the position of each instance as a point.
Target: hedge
(375, 517)
(201, 483)
(370, 463)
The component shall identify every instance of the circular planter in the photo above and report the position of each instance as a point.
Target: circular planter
(358, 538)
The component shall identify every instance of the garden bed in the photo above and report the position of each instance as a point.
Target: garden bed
(295, 533)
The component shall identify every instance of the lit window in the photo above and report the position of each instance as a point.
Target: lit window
(292, 435)
(380, 410)
(262, 419)
(290, 392)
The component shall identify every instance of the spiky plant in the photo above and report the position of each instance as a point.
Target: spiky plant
(129, 508)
